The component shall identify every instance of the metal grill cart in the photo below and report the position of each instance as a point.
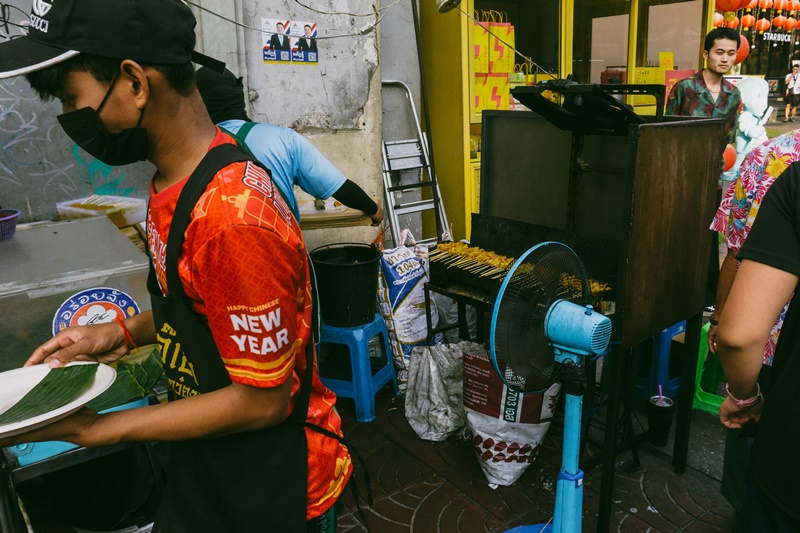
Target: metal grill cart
(632, 195)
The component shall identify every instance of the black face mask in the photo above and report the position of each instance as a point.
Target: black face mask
(84, 127)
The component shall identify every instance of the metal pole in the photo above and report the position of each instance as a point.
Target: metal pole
(427, 119)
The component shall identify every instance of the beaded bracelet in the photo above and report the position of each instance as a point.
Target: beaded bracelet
(743, 404)
(128, 338)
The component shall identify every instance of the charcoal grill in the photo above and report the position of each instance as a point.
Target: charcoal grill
(475, 282)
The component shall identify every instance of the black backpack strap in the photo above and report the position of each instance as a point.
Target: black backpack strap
(353, 482)
(240, 137)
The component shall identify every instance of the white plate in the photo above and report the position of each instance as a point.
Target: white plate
(14, 384)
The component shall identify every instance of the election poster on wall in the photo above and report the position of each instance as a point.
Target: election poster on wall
(289, 41)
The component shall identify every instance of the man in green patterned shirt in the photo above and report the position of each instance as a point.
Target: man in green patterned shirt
(708, 94)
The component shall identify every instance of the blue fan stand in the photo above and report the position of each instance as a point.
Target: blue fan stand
(573, 332)
(569, 487)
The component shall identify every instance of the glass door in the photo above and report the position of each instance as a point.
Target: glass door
(600, 49)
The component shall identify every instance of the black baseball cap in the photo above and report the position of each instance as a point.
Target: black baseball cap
(222, 93)
(157, 32)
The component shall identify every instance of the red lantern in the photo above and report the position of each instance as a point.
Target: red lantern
(729, 155)
(762, 25)
(718, 20)
(751, 4)
(790, 24)
(748, 21)
(779, 21)
(765, 4)
(780, 5)
(732, 23)
(730, 5)
(795, 6)
(744, 49)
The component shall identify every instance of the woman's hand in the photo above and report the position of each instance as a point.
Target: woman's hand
(377, 218)
(712, 338)
(733, 416)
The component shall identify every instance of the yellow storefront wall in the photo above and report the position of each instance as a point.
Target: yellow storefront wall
(447, 46)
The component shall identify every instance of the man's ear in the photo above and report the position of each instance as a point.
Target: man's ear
(135, 81)
(705, 55)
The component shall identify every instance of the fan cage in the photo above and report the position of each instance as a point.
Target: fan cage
(521, 353)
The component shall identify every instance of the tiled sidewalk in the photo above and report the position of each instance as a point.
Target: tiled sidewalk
(426, 487)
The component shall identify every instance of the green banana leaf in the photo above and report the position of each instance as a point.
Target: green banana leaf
(59, 387)
(137, 374)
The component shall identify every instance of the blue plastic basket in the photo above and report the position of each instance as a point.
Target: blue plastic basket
(8, 223)
(33, 452)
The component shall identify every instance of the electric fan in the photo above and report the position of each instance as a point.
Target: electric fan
(542, 327)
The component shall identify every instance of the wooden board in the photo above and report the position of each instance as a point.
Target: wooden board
(676, 167)
(335, 215)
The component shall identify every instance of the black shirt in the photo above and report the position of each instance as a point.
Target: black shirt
(775, 241)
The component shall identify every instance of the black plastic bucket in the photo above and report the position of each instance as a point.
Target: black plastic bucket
(347, 283)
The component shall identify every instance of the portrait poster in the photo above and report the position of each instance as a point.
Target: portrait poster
(276, 41)
(304, 42)
(289, 41)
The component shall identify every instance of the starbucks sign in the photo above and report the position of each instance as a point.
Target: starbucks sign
(778, 37)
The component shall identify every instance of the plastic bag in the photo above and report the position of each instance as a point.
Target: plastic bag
(401, 299)
(447, 309)
(434, 397)
(507, 426)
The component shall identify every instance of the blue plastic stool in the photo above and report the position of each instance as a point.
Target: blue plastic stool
(364, 384)
(659, 366)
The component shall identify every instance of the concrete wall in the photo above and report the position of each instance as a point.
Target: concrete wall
(335, 104)
(399, 62)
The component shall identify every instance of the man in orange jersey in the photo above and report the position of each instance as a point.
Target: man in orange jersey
(255, 437)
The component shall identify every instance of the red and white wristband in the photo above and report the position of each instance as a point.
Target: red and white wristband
(744, 404)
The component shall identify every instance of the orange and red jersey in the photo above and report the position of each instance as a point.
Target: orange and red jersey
(244, 267)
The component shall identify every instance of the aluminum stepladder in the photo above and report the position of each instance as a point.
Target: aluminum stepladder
(408, 156)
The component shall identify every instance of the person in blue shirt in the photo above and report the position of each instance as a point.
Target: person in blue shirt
(291, 158)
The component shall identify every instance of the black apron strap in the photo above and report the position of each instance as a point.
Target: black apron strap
(353, 483)
(217, 158)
